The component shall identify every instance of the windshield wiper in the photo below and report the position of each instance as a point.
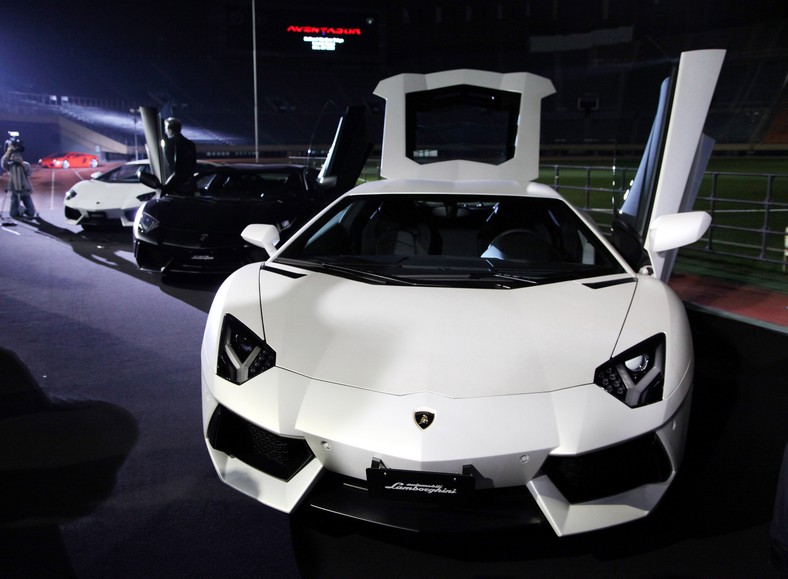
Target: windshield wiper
(346, 271)
(494, 272)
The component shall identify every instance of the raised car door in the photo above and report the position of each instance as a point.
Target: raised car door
(673, 162)
(153, 129)
(349, 151)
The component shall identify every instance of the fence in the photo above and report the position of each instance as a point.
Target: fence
(749, 210)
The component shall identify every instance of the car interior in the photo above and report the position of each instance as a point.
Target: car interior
(523, 230)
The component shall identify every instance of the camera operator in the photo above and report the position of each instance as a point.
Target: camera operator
(18, 179)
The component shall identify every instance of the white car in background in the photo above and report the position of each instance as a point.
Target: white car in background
(110, 198)
(456, 345)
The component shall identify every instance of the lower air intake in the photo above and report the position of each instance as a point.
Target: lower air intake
(270, 453)
(610, 471)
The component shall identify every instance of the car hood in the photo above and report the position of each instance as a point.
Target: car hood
(204, 215)
(100, 194)
(454, 342)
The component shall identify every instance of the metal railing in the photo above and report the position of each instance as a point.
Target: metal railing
(749, 211)
(749, 215)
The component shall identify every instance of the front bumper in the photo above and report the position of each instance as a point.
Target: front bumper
(526, 466)
(80, 216)
(192, 255)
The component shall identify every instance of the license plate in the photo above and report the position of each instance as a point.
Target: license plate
(410, 485)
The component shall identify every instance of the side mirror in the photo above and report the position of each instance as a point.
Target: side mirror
(677, 230)
(150, 180)
(262, 235)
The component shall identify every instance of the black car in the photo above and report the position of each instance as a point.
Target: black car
(199, 230)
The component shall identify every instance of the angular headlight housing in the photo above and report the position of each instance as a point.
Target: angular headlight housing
(635, 377)
(146, 196)
(145, 222)
(242, 353)
(71, 194)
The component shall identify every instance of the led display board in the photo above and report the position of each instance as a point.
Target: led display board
(312, 32)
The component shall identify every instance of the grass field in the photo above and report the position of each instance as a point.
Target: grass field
(747, 198)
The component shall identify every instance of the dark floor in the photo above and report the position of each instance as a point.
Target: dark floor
(103, 470)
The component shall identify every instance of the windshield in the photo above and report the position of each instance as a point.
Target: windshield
(125, 174)
(257, 184)
(451, 240)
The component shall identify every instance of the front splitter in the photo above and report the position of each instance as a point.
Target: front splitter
(487, 510)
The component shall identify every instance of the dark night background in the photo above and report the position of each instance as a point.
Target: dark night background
(605, 58)
(103, 467)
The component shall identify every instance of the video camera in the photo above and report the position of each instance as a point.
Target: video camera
(15, 142)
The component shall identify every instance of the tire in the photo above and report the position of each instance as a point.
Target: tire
(93, 163)
(66, 164)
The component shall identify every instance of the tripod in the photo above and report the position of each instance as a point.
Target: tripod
(5, 221)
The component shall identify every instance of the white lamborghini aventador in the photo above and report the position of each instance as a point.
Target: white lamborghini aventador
(456, 342)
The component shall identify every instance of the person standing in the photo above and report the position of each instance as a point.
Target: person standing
(180, 155)
(19, 181)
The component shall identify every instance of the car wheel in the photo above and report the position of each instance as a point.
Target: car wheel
(94, 163)
(66, 164)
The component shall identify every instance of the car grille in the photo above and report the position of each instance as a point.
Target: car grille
(278, 456)
(610, 471)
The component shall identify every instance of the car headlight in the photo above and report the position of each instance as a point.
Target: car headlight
(635, 377)
(146, 196)
(146, 222)
(242, 354)
(71, 194)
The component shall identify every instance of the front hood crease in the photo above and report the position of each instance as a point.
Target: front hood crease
(454, 342)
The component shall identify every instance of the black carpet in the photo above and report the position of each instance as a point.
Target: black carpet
(103, 470)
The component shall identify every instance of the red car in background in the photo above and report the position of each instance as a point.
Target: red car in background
(66, 160)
